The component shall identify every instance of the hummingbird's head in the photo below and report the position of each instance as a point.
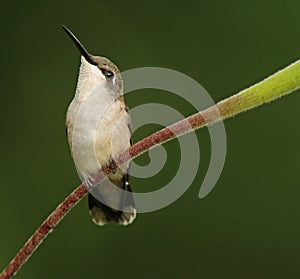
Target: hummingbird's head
(98, 70)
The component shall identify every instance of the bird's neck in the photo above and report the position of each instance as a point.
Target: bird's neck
(89, 80)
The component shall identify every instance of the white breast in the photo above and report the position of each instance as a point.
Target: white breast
(98, 124)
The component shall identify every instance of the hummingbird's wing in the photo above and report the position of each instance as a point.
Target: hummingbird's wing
(106, 191)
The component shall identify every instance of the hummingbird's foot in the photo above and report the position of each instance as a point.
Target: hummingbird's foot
(110, 167)
(89, 182)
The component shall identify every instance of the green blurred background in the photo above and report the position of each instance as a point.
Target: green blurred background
(248, 227)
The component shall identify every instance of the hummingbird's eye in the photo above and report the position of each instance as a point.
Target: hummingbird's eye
(107, 73)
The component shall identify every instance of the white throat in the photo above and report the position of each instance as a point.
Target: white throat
(90, 77)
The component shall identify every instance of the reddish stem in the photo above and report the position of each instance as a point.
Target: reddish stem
(41, 233)
(195, 121)
(61, 211)
(265, 91)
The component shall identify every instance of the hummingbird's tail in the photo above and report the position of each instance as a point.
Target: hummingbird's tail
(102, 214)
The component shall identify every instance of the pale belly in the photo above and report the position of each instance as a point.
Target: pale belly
(99, 137)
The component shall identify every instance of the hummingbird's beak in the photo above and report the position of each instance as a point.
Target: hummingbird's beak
(84, 53)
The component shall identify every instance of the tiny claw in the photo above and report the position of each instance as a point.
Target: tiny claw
(89, 182)
(112, 165)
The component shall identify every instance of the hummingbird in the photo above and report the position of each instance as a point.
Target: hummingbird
(98, 119)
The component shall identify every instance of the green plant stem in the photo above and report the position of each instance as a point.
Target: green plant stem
(276, 86)
(281, 83)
